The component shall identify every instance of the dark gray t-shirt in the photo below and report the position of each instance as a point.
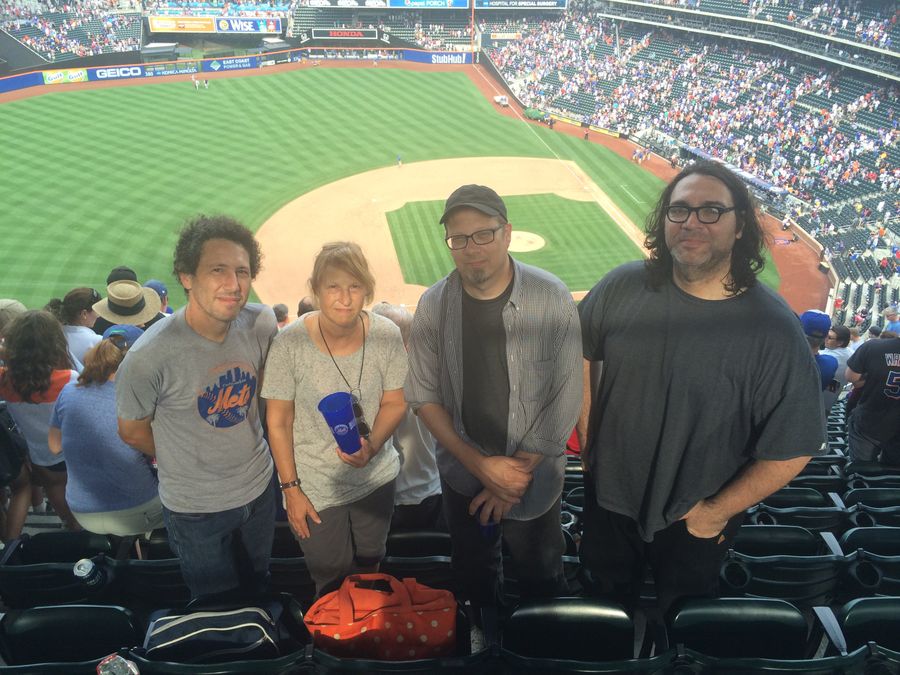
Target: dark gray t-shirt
(203, 397)
(485, 401)
(691, 391)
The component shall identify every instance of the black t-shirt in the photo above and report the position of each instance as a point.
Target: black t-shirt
(878, 412)
(485, 408)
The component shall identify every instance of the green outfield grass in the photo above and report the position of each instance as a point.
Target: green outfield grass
(582, 241)
(98, 178)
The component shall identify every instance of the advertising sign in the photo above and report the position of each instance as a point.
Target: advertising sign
(234, 24)
(65, 76)
(344, 34)
(235, 63)
(394, 4)
(114, 73)
(437, 57)
(520, 4)
(174, 68)
(14, 82)
(182, 24)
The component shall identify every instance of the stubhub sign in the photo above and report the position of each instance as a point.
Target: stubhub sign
(115, 72)
(437, 57)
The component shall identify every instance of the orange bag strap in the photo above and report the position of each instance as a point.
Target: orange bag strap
(346, 611)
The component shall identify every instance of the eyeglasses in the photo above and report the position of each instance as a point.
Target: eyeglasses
(457, 242)
(361, 423)
(705, 214)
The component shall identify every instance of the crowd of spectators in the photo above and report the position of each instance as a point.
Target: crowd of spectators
(870, 23)
(76, 29)
(242, 8)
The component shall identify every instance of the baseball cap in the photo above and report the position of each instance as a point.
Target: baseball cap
(126, 335)
(159, 287)
(121, 274)
(478, 197)
(816, 324)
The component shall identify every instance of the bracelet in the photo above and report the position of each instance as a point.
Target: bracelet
(290, 484)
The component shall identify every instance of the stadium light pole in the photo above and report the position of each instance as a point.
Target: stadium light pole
(472, 34)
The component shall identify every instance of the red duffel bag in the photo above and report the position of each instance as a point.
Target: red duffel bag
(376, 616)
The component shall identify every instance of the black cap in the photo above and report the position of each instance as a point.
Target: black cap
(478, 197)
(121, 274)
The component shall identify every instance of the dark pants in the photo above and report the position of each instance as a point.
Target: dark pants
(683, 565)
(536, 547)
(427, 515)
(227, 550)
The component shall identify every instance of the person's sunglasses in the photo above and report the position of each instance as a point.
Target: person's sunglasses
(361, 423)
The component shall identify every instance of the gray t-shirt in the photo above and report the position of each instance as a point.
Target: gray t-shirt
(691, 391)
(203, 398)
(297, 371)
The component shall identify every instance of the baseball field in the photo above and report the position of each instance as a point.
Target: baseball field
(99, 177)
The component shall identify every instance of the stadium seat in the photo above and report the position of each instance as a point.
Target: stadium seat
(284, 544)
(862, 621)
(739, 628)
(766, 540)
(434, 571)
(791, 497)
(290, 575)
(875, 569)
(578, 629)
(148, 584)
(879, 497)
(418, 543)
(55, 547)
(66, 633)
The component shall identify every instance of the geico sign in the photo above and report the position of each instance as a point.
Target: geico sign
(124, 71)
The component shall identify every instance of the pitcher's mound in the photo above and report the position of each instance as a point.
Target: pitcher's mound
(522, 242)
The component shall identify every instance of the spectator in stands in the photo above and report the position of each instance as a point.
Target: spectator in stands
(816, 327)
(306, 305)
(121, 273)
(111, 488)
(163, 292)
(37, 367)
(891, 319)
(417, 500)
(700, 412)
(187, 392)
(342, 511)
(281, 314)
(20, 488)
(855, 339)
(129, 303)
(873, 433)
(494, 374)
(837, 344)
(77, 315)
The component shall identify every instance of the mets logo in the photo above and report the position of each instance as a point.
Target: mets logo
(227, 402)
(223, 24)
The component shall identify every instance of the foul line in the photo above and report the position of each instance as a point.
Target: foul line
(621, 220)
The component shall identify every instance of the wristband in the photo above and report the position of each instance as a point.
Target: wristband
(289, 484)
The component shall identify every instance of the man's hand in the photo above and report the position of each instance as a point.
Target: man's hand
(493, 509)
(361, 457)
(704, 520)
(299, 508)
(505, 477)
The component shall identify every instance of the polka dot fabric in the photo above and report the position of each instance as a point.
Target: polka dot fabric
(365, 620)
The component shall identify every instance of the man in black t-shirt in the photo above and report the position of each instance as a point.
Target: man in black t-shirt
(708, 400)
(874, 425)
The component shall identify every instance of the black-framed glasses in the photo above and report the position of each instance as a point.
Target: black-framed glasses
(457, 242)
(361, 423)
(705, 214)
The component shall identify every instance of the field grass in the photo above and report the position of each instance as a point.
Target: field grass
(98, 178)
(581, 240)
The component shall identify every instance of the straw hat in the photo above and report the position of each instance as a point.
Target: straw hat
(127, 302)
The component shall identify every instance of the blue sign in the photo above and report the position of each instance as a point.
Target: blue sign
(234, 24)
(520, 4)
(429, 4)
(171, 68)
(235, 63)
(115, 73)
(437, 58)
(21, 81)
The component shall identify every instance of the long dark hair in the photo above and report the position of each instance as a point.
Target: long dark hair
(34, 347)
(747, 255)
(76, 301)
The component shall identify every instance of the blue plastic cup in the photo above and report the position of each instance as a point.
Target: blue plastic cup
(337, 409)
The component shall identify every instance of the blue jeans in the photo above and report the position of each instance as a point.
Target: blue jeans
(226, 550)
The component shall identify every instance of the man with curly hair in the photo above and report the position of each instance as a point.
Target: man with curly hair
(708, 396)
(187, 392)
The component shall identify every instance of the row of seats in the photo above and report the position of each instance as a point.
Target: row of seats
(726, 635)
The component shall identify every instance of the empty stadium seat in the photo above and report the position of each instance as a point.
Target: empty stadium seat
(66, 633)
(862, 621)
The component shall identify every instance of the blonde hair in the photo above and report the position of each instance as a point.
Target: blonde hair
(348, 257)
(101, 361)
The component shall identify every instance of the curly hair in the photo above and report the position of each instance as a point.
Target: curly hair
(34, 347)
(203, 228)
(747, 255)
